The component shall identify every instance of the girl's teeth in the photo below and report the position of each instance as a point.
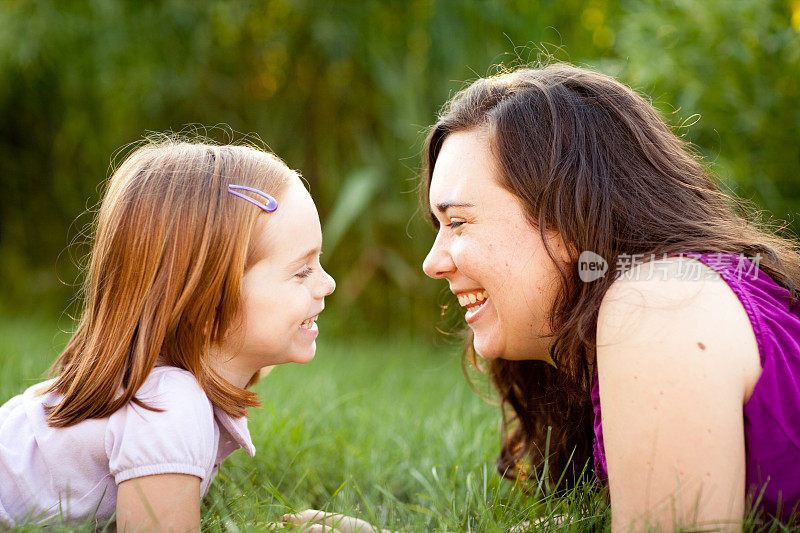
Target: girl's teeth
(472, 298)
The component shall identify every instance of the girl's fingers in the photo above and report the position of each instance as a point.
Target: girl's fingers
(313, 517)
(306, 527)
(303, 517)
(319, 528)
(334, 522)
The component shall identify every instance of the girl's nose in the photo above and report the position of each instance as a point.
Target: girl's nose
(328, 283)
(438, 263)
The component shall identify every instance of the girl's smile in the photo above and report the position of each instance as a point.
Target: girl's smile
(283, 289)
(309, 323)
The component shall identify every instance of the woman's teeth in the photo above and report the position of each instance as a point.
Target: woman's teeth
(308, 323)
(472, 298)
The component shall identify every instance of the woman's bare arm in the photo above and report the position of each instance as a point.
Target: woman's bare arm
(676, 361)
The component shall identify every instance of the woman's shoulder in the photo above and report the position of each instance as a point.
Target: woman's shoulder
(655, 289)
(676, 358)
(677, 312)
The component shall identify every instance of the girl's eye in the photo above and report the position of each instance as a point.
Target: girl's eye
(454, 223)
(305, 272)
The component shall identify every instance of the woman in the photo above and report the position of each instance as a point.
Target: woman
(600, 266)
(568, 216)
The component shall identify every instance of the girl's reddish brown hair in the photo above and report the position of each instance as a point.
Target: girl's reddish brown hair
(590, 158)
(170, 249)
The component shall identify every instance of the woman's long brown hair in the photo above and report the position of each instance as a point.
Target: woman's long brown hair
(164, 277)
(593, 160)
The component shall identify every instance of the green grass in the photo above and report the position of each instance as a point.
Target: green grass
(387, 431)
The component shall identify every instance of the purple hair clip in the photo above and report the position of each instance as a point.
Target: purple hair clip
(269, 207)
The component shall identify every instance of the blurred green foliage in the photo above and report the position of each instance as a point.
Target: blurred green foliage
(735, 64)
(343, 91)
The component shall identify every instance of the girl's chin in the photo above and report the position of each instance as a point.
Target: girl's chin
(308, 355)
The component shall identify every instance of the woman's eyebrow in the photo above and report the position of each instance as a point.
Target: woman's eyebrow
(444, 206)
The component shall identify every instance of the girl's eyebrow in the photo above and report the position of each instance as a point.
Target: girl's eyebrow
(307, 255)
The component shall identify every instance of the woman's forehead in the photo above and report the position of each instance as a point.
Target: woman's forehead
(465, 170)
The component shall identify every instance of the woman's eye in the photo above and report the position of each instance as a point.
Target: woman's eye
(305, 272)
(454, 223)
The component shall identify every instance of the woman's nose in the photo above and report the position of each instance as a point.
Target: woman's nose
(438, 263)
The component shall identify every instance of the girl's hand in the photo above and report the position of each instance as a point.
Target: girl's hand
(319, 521)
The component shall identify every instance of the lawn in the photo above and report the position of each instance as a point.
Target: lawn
(387, 431)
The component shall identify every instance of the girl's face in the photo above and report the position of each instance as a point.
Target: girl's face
(493, 259)
(284, 289)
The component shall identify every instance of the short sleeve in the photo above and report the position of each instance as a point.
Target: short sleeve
(180, 439)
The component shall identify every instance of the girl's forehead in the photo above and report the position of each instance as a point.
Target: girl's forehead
(293, 226)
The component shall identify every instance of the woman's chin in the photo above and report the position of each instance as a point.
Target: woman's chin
(485, 350)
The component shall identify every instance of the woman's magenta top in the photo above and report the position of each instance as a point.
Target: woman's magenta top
(772, 414)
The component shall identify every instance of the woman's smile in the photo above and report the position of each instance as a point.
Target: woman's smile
(487, 250)
(474, 301)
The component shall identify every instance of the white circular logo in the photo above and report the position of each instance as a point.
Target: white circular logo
(591, 266)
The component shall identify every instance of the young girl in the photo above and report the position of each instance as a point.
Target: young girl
(599, 265)
(205, 269)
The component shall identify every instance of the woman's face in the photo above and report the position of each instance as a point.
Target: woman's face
(493, 259)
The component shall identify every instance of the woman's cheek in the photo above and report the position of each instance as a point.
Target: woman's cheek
(472, 253)
(460, 255)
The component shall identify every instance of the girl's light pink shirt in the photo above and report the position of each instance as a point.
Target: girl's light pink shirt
(72, 473)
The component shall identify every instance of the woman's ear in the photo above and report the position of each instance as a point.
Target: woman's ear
(564, 252)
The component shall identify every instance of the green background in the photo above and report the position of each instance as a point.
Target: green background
(344, 92)
(382, 424)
